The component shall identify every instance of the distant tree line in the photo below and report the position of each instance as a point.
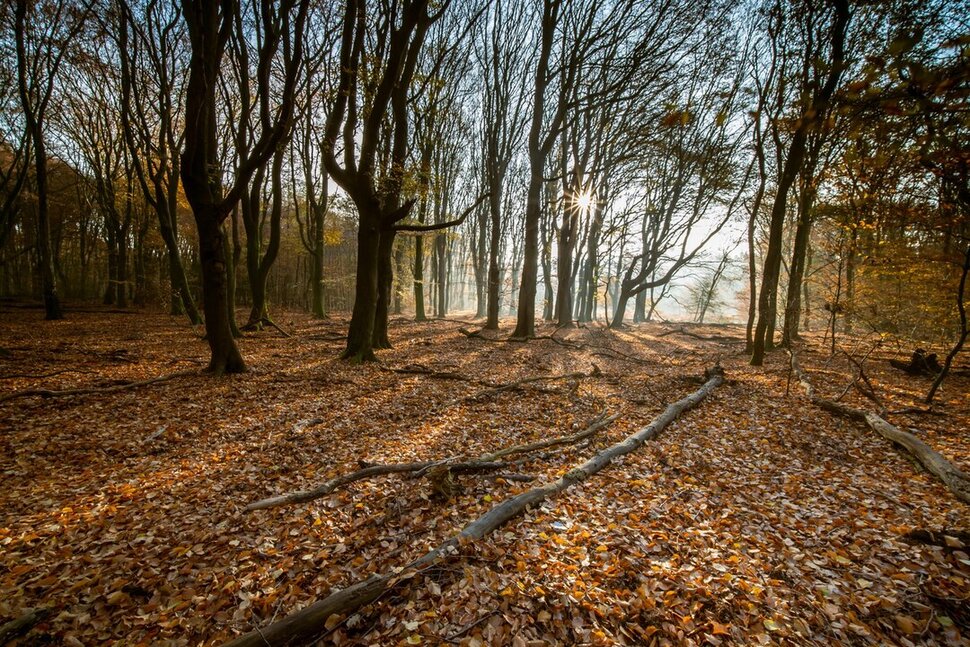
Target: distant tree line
(565, 160)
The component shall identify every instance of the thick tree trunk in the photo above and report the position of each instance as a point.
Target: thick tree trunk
(620, 311)
(525, 325)
(225, 356)
(360, 336)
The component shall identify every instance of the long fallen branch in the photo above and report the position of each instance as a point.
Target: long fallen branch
(953, 478)
(516, 384)
(303, 625)
(47, 393)
(488, 462)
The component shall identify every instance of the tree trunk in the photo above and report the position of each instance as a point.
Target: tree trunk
(399, 256)
(385, 282)
(317, 288)
(525, 325)
(564, 291)
(182, 300)
(793, 162)
(360, 335)
(419, 314)
(215, 289)
(797, 272)
(494, 278)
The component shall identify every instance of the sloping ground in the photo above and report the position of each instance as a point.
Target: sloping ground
(755, 518)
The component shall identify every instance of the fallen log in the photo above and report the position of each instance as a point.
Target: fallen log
(488, 462)
(477, 334)
(46, 393)
(305, 624)
(954, 479)
(720, 339)
(948, 540)
(21, 624)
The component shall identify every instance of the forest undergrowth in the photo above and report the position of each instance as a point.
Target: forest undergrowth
(756, 518)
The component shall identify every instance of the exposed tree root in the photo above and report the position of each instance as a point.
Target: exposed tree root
(486, 463)
(265, 321)
(303, 625)
(46, 393)
(955, 480)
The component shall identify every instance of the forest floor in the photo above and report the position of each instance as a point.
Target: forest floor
(755, 518)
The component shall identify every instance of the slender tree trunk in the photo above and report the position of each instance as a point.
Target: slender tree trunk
(807, 309)
(797, 272)
(494, 277)
(182, 300)
(419, 314)
(318, 289)
(441, 275)
(112, 245)
(232, 256)
(850, 281)
(385, 283)
(796, 155)
(400, 253)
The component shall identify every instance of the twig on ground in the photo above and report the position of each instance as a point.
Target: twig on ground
(46, 393)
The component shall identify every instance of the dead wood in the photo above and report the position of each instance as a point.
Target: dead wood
(307, 623)
(21, 624)
(920, 363)
(601, 421)
(956, 481)
(477, 334)
(721, 339)
(948, 540)
(302, 496)
(486, 463)
(916, 411)
(37, 376)
(516, 384)
(326, 336)
(419, 369)
(46, 393)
